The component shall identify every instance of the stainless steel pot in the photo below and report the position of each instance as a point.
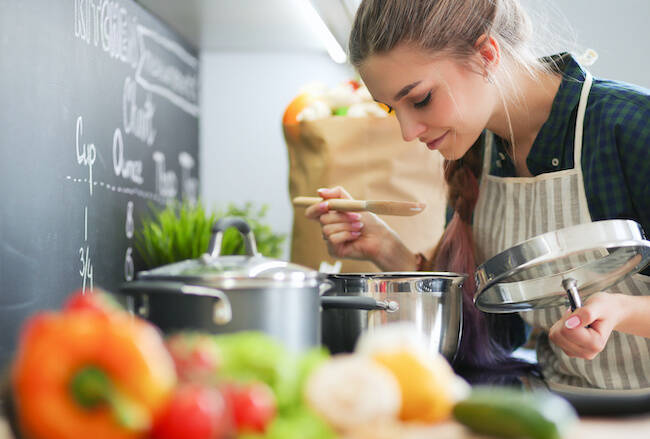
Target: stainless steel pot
(222, 294)
(431, 301)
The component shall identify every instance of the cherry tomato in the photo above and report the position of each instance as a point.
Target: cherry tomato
(196, 356)
(194, 412)
(97, 301)
(253, 405)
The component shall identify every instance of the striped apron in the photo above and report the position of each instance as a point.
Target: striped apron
(512, 209)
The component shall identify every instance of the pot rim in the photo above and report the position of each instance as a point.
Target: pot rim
(396, 274)
(227, 283)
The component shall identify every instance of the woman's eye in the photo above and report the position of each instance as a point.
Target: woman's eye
(423, 102)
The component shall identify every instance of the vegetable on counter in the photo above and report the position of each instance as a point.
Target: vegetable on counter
(252, 404)
(512, 413)
(350, 391)
(391, 378)
(90, 371)
(196, 411)
(261, 381)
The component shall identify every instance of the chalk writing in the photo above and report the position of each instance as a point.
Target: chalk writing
(107, 24)
(189, 184)
(86, 153)
(86, 271)
(137, 120)
(166, 181)
(167, 69)
(128, 169)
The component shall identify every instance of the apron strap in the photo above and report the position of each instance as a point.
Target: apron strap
(577, 143)
(487, 153)
(582, 107)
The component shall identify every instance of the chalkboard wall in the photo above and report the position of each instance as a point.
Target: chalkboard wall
(98, 119)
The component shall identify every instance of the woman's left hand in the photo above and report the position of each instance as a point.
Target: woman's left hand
(584, 332)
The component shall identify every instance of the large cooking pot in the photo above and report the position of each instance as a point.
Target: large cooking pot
(228, 293)
(431, 301)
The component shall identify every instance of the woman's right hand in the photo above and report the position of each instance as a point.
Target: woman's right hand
(359, 235)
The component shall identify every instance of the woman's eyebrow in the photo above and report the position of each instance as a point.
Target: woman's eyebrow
(404, 91)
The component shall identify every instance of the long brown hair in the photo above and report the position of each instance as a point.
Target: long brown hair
(452, 27)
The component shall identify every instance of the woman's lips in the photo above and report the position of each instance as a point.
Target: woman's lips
(435, 143)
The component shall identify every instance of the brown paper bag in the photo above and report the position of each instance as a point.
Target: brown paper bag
(368, 157)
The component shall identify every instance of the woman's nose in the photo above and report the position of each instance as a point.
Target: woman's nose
(411, 129)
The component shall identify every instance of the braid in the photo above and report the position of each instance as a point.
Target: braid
(455, 253)
(462, 179)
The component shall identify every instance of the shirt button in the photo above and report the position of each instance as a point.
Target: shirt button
(555, 162)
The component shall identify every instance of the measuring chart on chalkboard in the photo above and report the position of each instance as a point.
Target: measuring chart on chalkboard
(99, 119)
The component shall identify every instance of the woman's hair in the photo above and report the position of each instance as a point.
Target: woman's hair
(452, 28)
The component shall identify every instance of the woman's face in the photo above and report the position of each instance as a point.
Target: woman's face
(437, 100)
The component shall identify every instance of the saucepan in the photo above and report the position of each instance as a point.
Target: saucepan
(228, 293)
(432, 301)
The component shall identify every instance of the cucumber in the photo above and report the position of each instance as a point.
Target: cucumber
(509, 413)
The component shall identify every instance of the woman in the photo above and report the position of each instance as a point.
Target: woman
(531, 146)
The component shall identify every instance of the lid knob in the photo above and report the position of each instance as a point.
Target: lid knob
(218, 229)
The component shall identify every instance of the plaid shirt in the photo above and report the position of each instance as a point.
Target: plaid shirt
(616, 144)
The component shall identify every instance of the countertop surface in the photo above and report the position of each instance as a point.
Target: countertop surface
(636, 427)
(592, 428)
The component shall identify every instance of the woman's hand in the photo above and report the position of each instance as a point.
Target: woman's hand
(359, 235)
(584, 332)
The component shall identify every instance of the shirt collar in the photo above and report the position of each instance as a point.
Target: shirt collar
(548, 152)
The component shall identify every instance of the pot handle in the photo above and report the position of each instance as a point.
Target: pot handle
(358, 302)
(221, 312)
(325, 286)
(214, 248)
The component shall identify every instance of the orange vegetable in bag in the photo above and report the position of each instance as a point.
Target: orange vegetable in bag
(295, 107)
(86, 374)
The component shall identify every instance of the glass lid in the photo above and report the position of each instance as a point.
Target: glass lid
(212, 266)
(561, 267)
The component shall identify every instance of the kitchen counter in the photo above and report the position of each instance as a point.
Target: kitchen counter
(637, 427)
(592, 428)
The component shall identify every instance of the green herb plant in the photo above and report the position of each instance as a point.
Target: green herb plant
(181, 231)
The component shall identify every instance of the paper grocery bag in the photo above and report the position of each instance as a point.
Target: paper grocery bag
(368, 157)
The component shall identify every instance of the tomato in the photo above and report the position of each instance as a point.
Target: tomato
(194, 412)
(252, 405)
(97, 301)
(354, 83)
(196, 356)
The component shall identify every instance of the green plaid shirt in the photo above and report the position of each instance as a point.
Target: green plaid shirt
(616, 144)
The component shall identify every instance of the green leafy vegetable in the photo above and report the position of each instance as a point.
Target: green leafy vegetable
(254, 356)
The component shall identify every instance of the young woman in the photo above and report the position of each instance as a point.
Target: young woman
(531, 146)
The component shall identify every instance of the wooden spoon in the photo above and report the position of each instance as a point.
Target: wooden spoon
(401, 208)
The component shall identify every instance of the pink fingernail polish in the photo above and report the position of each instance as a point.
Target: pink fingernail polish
(572, 322)
(323, 206)
(355, 234)
(357, 225)
(354, 216)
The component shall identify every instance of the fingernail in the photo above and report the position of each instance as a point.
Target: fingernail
(572, 322)
(323, 206)
(355, 234)
(357, 225)
(323, 189)
(354, 216)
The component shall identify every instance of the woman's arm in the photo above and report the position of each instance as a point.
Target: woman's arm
(636, 318)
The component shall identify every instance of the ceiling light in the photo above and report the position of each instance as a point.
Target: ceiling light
(315, 21)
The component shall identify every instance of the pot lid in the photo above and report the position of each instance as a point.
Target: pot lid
(561, 267)
(228, 270)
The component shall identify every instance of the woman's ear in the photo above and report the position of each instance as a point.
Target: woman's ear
(490, 53)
